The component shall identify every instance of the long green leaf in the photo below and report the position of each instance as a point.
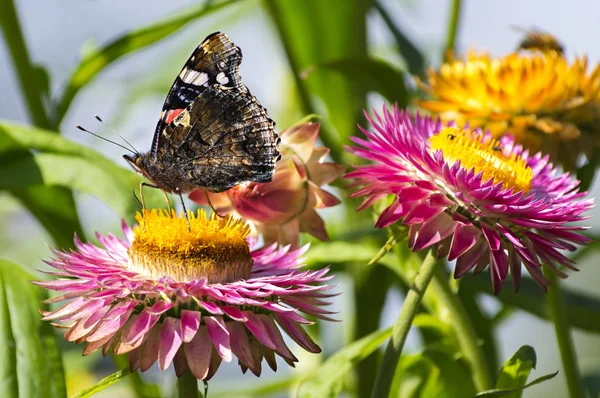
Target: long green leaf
(60, 162)
(54, 208)
(327, 380)
(504, 392)
(368, 306)
(583, 312)
(30, 360)
(412, 55)
(315, 32)
(27, 74)
(370, 75)
(96, 60)
(102, 384)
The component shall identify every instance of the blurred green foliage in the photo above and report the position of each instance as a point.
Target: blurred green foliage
(326, 49)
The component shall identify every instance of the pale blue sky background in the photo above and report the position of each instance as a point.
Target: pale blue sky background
(56, 30)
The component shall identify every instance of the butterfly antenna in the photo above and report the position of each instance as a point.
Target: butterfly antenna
(115, 131)
(211, 205)
(105, 139)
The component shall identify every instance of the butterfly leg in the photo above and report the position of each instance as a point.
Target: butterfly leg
(168, 202)
(184, 209)
(142, 185)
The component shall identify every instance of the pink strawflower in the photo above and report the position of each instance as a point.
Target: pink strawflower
(192, 297)
(483, 202)
(279, 210)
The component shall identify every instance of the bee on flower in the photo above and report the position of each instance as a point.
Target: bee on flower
(484, 202)
(546, 102)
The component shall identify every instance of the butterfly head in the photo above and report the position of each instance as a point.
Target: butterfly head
(137, 161)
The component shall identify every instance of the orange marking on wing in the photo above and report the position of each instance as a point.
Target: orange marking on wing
(172, 115)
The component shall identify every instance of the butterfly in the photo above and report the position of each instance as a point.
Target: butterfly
(212, 133)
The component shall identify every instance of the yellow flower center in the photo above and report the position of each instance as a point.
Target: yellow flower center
(212, 248)
(485, 157)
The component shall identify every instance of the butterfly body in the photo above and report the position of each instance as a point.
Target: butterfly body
(212, 134)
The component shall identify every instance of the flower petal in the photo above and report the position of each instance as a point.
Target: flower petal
(170, 341)
(219, 335)
(198, 353)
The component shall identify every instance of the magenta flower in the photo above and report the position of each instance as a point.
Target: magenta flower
(194, 298)
(483, 202)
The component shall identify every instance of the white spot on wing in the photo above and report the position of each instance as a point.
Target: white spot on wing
(190, 76)
(222, 79)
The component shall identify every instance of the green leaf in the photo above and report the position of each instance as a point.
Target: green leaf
(323, 254)
(42, 79)
(447, 378)
(327, 380)
(60, 162)
(432, 373)
(30, 360)
(583, 312)
(102, 384)
(370, 75)
(516, 370)
(315, 32)
(57, 215)
(505, 392)
(280, 386)
(412, 55)
(587, 172)
(96, 60)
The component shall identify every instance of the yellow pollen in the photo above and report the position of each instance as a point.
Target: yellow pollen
(214, 248)
(485, 157)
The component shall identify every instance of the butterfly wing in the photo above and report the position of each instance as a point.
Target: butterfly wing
(224, 137)
(215, 61)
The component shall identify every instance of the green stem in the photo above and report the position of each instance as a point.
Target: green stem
(452, 27)
(387, 368)
(463, 327)
(22, 65)
(187, 386)
(556, 309)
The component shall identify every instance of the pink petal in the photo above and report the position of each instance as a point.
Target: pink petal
(433, 231)
(170, 341)
(135, 357)
(215, 362)
(259, 330)
(234, 313)
(198, 353)
(464, 238)
(150, 348)
(240, 345)
(275, 336)
(180, 363)
(190, 321)
(298, 334)
(468, 260)
(219, 335)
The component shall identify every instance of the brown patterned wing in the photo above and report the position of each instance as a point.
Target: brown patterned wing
(223, 138)
(215, 61)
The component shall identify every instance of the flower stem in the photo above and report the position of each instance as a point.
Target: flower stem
(452, 27)
(187, 386)
(556, 309)
(387, 368)
(463, 327)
